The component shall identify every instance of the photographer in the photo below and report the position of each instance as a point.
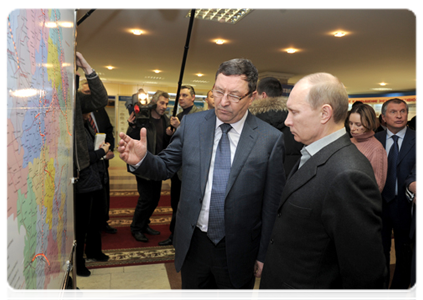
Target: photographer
(152, 117)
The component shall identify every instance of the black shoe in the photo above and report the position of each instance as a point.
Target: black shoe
(69, 293)
(151, 231)
(101, 257)
(83, 272)
(109, 229)
(140, 237)
(167, 242)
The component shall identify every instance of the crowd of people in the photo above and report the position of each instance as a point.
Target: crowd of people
(297, 191)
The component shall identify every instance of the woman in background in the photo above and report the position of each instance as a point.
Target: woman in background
(363, 123)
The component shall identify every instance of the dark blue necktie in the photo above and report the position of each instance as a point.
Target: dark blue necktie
(391, 180)
(222, 168)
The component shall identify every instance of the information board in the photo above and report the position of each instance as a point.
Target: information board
(40, 100)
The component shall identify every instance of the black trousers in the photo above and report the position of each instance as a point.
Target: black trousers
(175, 192)
(88, 216)
(149, 191)
(106, 200)
(397, 218)
(206, 267)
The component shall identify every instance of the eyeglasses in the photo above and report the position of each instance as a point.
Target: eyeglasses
(233, 98)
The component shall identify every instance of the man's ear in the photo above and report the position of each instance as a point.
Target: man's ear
(327, 113)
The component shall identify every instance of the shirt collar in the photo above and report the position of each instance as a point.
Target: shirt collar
(235, 126)
(318, 145)
(400, 134)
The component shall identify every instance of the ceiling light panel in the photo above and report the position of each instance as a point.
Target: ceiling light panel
(229, 16)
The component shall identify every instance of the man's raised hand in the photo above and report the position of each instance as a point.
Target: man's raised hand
(133, 151)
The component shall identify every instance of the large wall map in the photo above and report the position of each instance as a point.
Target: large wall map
(40, 99)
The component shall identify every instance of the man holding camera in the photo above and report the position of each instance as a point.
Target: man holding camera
(159, 134)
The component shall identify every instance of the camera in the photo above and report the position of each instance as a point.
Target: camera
(142, 109)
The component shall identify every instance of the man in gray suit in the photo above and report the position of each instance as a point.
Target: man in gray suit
(327, 234)
(228, 255)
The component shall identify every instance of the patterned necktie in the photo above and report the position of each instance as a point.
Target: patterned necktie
(390, 185)
(222, 168)
(90, 119)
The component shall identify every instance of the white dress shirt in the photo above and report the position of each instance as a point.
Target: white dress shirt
(389, 142)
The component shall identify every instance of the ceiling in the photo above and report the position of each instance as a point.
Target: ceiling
(380, 46)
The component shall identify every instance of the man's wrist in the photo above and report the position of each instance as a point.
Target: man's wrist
(90, 75)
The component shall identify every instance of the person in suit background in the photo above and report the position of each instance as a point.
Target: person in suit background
(186, 101)
(228, 200)
(210, 100)
(396, 208)
(270, 106)
(412, 184)
(327, 234)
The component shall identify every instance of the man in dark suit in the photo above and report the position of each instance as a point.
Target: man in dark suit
(396, 208)
(327, 234)
(412, 184)
(228, 198)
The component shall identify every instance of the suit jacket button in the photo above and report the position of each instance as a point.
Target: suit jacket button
(271, 241)
(279, 215)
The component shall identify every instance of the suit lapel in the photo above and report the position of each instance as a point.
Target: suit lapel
(246, 143)
(408, 144)
(207, 131)
(308, 171)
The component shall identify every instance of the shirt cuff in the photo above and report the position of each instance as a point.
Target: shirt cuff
(409, 194)
(136, 166)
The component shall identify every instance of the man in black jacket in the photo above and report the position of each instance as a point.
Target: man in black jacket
(149, 190)
(270, 106)
(100, 122)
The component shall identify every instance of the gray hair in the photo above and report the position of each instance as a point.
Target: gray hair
(393, 100)
(157, 95)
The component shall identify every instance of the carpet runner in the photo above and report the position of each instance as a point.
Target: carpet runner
(122, 247)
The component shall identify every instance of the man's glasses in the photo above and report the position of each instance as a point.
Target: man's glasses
(233, 98)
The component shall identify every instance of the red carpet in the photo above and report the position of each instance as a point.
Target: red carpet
(122, 247)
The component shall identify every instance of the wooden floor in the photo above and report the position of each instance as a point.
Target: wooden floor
(144, 277)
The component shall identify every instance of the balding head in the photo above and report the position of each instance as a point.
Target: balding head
(325, 88)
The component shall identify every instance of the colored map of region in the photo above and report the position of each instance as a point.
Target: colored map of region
(40, 93)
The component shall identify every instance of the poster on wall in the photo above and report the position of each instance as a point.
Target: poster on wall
(40, 100)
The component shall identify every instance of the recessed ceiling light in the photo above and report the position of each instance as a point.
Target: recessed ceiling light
(219, 42)
(137, 31)
(291, 50)
(110, 67)
(339, 34)
(156, 71)
(199, 75)
(383, 83)
(382, 89)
